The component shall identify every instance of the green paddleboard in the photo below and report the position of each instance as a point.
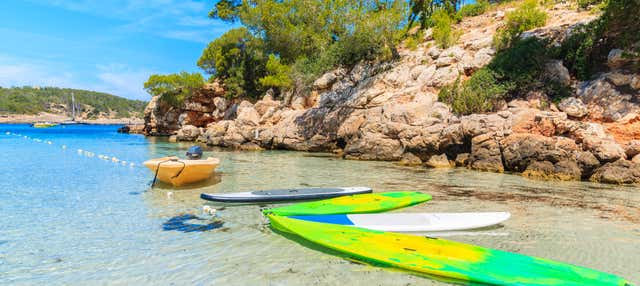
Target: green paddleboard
(364, 203)
(442, 258)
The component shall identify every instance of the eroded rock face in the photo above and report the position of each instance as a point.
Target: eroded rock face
(618, 172)
(610, 96)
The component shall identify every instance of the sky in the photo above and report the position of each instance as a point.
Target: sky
(108, 46)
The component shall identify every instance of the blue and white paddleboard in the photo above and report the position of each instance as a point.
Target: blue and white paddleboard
(414, 222)
(282, 195)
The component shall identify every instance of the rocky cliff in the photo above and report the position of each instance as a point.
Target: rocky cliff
(390, 111)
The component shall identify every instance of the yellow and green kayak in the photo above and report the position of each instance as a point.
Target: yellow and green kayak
(442, 258)
(44, 125)
(363, 203)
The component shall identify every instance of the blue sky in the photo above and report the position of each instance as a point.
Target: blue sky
(110, 46)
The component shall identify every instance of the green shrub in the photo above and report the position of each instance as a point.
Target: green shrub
(478, 94)
(475, 9)
(277, 74)
(585, 51)
(174, 88)
(584, 4)
(525, 17)
(443, 32)
(411, 43)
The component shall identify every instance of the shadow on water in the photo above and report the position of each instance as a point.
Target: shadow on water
(182, 223)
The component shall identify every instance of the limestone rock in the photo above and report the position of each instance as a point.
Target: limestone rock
(262, 106)
(445, 61)
(220, 103)
(587, 163)
(573, 107)
(545, 170)
(618, 172)
(557, 72)
(434, 52)
(247, 114)
(409, 159)
(607, 101)
(486, 154)
(633, 148)
(325, 81)
(482, 58)
(445, 76)
(604, 150)
(615, 58)
(188, 133)
(636, 159)
(438, 161)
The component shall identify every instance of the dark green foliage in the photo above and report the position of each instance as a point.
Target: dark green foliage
(586, 3)
(474, 9)
(174, 88)
(585, 52)
(525, 17)
(237, 58)
(29, 100)
(422, 10)
(479, 94)
(277, 74)
(305, 37)
(512, 73)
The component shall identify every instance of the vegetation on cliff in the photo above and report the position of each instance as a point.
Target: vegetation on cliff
(30, 100)
(518, 67)
(174, 88)
(286, 45)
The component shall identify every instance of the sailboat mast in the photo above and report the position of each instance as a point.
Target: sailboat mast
(73, 107)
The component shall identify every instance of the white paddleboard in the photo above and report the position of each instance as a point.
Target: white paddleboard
(284, 195)
(414, 222)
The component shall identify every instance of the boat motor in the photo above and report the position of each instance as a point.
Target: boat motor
(194, 153)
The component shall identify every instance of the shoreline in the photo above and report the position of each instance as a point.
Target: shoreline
(60, 118)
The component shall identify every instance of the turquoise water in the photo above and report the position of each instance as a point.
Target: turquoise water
(71, 218)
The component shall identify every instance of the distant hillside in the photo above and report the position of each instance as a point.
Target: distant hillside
(89, 104)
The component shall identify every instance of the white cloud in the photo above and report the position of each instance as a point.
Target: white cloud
(20, 73)
(116, 79)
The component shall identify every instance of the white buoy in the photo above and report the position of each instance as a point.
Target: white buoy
(123, 162)
(8, 133)
(64, 146)
(169, 194)
(79, 150)
(114, 159)
(209, 210)
(132, 165)
(49, 142)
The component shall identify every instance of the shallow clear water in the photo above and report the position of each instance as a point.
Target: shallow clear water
(71, 219)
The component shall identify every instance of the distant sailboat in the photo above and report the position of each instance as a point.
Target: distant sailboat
(73, 112)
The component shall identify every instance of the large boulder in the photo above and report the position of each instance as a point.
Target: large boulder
(521, 149)
(486, 154)
(618, 172)
(557, 72)
(573, 107)
(439, 161)
(188, 133)
(604, 150)
(247, 114)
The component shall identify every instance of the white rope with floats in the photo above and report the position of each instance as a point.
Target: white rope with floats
(81, 152)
